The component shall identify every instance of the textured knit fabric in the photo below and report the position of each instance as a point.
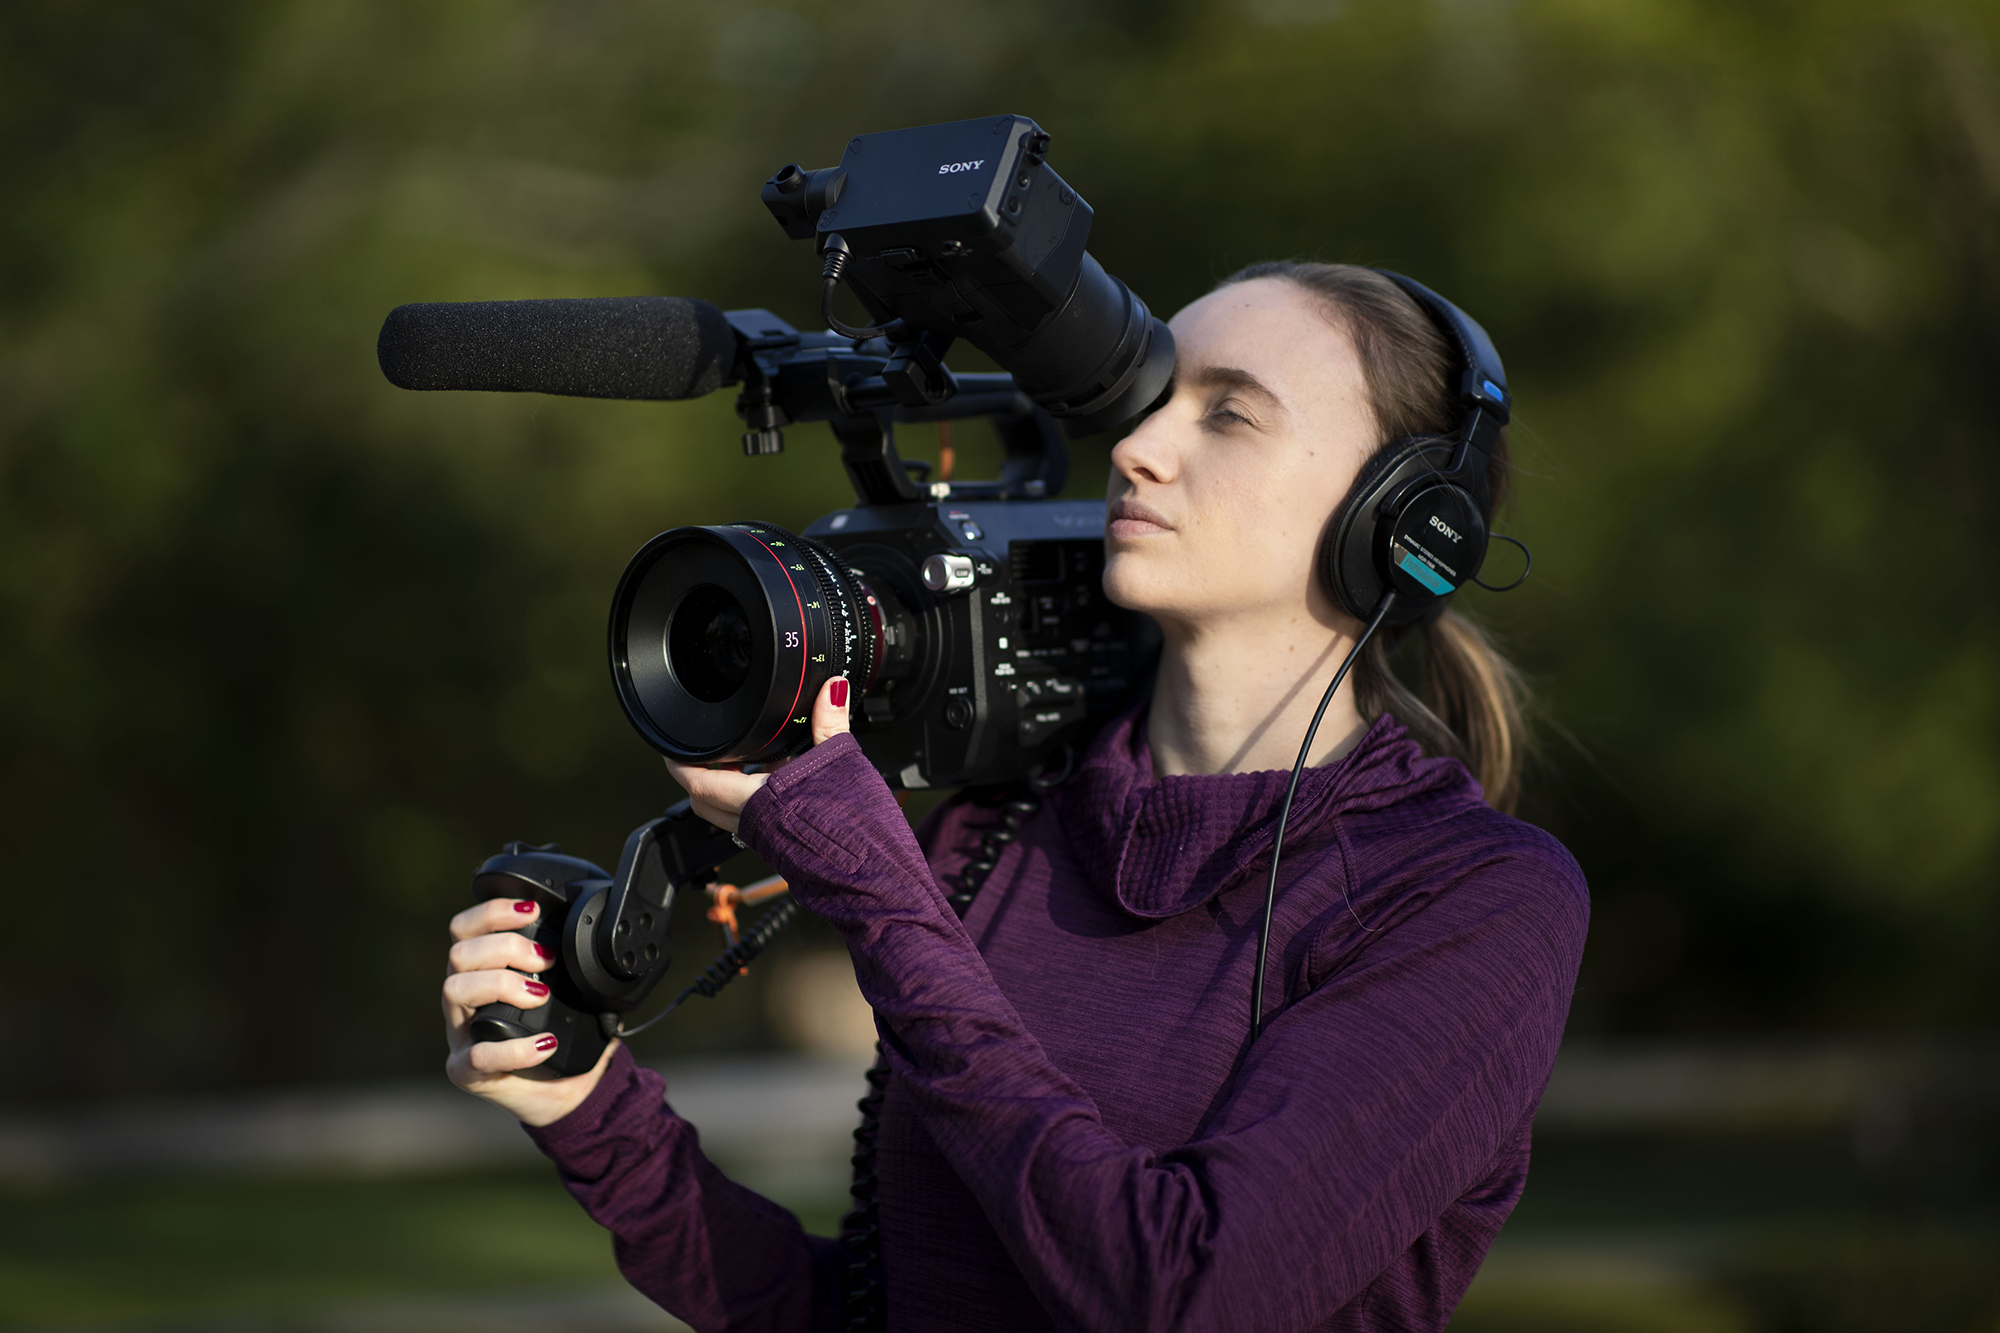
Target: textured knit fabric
(1077, 1133)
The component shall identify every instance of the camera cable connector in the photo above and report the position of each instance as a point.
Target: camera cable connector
(733, 961)
(835, 248)
(724, 899)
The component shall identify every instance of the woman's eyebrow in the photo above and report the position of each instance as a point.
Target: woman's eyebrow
(1230, 377)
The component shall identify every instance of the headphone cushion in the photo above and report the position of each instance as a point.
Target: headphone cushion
(1347, 571)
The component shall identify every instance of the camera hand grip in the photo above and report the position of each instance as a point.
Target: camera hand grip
(579, 1037)
(555, 883)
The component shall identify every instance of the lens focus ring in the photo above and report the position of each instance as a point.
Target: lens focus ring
(851, 629)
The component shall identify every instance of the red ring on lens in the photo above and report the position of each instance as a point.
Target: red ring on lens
(799, 693)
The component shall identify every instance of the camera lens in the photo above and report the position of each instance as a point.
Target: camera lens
(721, 638)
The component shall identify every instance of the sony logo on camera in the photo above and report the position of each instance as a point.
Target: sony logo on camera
(953, 168)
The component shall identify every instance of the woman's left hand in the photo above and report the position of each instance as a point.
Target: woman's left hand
(719, 794)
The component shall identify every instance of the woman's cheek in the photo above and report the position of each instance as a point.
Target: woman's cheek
(1259, 561)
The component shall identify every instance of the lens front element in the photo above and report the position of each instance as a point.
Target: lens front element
(708, 644)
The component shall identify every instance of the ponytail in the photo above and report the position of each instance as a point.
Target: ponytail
(1470, 702)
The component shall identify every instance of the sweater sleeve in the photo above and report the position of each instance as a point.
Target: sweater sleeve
(1361, 1114)
(702, 1247)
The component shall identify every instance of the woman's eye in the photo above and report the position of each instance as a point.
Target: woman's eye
(1227, 412)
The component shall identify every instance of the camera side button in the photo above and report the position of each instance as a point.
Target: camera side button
(948, 573)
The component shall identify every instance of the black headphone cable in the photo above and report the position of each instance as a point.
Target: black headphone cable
(1285, 811)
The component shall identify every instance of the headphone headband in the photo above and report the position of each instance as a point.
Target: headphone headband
(1482, 381)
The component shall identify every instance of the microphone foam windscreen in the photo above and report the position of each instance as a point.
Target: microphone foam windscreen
(605, 347)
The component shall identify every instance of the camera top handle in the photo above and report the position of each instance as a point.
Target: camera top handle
(861, 389)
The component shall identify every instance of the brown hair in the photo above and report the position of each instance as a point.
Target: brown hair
(1469, 701)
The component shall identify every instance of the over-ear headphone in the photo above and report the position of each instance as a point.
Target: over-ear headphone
(1417, 518)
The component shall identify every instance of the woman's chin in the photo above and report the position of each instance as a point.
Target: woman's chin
(1128, 584)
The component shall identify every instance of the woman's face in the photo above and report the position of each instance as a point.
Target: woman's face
(1218, 499)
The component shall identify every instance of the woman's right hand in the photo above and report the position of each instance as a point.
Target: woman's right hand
(487, 961)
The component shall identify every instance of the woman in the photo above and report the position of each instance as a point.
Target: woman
(1075, 1130)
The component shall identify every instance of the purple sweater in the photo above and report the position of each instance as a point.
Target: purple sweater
(1074, 1134)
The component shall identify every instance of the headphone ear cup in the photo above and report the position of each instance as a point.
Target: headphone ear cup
(1347, 572)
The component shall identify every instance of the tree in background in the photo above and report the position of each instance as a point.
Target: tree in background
(286, 651)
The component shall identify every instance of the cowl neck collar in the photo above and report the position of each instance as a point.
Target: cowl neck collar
(1165, 845)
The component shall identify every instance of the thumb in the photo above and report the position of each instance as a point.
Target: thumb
(829, 715)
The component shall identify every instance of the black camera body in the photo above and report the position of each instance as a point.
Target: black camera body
(969, 618)
(1029, 654)
(976, 637)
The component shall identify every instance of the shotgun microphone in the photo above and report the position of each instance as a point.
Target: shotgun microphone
(655, 347)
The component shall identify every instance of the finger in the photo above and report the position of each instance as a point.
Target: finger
(830, 710)
(723, 788)
(482, 952)
(722, 819)
(491, 915)
(473, 1065)
(718, 795)
(470, 990)
(684, 773)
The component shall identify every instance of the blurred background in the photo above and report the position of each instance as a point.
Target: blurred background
(284, 652)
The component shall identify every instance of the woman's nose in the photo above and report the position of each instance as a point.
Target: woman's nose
(1148, 453)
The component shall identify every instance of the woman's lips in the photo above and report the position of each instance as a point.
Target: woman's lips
(1129, 518)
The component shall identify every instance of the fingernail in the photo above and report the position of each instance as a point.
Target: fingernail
(537, 988)
(524, 907)
(546, 1042)
(542, 952)
(838, 695)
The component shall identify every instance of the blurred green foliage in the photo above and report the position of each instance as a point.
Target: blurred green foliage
(284, 651)
(143, 1253)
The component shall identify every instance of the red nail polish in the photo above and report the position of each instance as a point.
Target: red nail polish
(546, 1042)
(542, 951)
(837, 696)
(537, 988)
(524, 907)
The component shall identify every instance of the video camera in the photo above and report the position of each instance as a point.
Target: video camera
(969, 615)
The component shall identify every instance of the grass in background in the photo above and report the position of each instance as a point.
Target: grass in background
(1716, 1234)
(180, 1249)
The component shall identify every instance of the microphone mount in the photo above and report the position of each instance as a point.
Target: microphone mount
(863, 387)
